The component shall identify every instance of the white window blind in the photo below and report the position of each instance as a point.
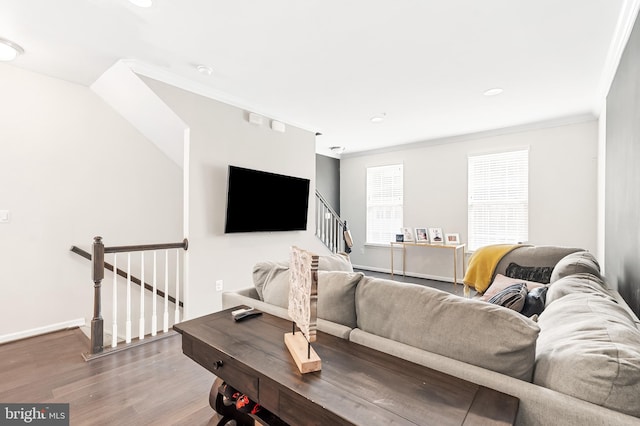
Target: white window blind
(498, 198)
(384, 203)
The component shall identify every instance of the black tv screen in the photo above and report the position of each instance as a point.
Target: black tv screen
(259, 201)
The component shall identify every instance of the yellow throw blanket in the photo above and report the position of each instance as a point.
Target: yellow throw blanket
(483, 263)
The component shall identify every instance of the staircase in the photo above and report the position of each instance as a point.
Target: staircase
(148, 305)
(330, 229)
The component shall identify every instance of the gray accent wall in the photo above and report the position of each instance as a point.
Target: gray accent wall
(328, 180)
(622, 176)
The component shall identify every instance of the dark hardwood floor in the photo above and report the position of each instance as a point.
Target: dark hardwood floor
(440, 285)
(152, 384)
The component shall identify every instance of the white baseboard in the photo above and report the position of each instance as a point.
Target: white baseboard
(408, 274)
(41, 330)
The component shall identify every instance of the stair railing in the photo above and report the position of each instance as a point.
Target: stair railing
(329, 227)
(98, 267)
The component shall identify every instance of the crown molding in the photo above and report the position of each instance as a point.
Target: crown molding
(538, 125)
(626, 21)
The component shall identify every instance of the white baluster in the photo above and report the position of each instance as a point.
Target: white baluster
(166, 291)
(141, 325)
(114, 321)
(128, 323)
(154, 315)
(176, 320)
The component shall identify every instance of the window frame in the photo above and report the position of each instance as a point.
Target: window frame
(393, 202)
(499, 200)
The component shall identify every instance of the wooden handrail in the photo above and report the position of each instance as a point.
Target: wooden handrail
(120, 249)
(134, 279)
(328, 206)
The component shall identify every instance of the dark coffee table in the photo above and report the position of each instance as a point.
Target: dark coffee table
(357, 385)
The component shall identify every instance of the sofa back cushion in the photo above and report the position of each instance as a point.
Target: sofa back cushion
(467, 330)
(533, 256)
(578, 283)
(266, 271)
(336, 294)
(575, 263)
(589, 348)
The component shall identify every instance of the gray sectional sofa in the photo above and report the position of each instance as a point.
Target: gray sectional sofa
(578, 363)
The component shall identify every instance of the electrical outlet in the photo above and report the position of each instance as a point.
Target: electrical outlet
(218, 285)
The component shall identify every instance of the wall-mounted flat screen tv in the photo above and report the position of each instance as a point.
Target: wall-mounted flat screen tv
(259, 201)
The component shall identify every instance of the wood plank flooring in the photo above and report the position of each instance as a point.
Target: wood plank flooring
(153, 384)
(440, 285)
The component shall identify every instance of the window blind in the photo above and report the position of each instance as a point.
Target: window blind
(384, 203)
(498, 205)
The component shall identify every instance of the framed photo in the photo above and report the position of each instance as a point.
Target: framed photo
(452, 239)
(408, 234)
(435, 236)
(421, 235)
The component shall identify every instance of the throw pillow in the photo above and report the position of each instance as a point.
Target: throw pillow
(500, 282)
(534, 302)
(539, 274)
(511, 297)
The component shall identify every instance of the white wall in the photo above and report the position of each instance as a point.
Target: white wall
(562, 192)
(221, 135)
(71, 168)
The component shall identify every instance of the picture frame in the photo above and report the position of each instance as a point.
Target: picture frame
(408, 234)
(452, 239)
(421, 235)
(436, 236)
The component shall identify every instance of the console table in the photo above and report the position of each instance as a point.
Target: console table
(453, 248)
(356, 386)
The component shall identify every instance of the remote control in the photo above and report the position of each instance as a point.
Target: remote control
(247, 314)
(239, 311)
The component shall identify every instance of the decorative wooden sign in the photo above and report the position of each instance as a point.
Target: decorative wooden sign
(303, 302)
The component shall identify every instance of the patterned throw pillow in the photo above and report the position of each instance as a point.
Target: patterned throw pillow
(512, 297)
(539, 274)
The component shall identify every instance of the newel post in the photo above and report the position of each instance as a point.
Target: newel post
(97, 342)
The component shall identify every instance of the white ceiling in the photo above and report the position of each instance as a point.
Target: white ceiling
(329, 66)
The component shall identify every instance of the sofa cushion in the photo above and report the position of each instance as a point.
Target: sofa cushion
(336, 294)
(589, 348)
(541, 256)
(498, 339)
(500, 282)
(265, 271)
(511, 297)
(578, 283)
(276, 287)
(575, 263)
(335, 262)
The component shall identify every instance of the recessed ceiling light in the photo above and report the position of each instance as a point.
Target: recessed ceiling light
(204, 70)
(337, 149)
(9, 50)
(142, 3)
(493, 92)
(378, 118)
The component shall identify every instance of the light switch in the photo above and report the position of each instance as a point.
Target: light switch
(4, 216)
